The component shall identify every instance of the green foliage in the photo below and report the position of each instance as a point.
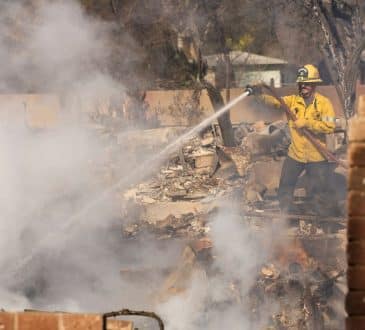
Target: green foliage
(242, 43)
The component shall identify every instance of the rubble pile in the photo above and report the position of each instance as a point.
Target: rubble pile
(293, 290)
(203, 171)
(304, 296)
(186, 226)
(302, 286)
(185, 191)
(192, 181)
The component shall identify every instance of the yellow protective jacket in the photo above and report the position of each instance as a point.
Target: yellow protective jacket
(320, 120)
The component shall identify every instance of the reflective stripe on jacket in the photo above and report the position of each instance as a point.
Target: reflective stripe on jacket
(320, 120)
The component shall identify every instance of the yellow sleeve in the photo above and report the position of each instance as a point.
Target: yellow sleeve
(273, 101)
(325, 124)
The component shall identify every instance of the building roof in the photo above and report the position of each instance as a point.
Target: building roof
(244, 58)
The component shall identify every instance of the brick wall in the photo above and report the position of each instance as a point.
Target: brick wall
(355, 300)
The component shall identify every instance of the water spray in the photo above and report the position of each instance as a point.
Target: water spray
(140, 172)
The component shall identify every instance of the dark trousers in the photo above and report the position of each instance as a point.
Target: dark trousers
(318, 188)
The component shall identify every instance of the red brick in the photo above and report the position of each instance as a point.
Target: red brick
(356, 252)
(355, 303)
(356, 228)
(356, 154)
(356, 277)
(356, 203)
(357, 129)
(355, 323)
(356, 179)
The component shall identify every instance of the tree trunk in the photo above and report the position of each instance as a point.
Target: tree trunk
(224, 121)
(228, 76)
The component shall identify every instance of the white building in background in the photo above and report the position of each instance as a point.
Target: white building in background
(247, 68)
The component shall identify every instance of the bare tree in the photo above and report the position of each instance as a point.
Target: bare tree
(224, 121)
(213, 26)
(198, 21)
(341, 41)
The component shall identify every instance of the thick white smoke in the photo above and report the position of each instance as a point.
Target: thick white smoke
(239, 251)
(51, 46)
(50, 258)
(54, 255)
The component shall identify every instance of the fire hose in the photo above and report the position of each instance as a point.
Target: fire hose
(329, 156)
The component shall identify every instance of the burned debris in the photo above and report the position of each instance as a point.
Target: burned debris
(304, 278)
(184, 160)
(297, 285)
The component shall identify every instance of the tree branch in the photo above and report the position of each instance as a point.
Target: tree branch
(332, 26)
(114, 7)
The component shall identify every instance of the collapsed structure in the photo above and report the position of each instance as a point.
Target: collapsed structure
(305, 276)
(198, 180)
(242, 262)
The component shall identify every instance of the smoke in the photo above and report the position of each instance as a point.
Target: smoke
(50, 46)
(221, 300)
(55, 256)
(45, 179)
(52, 259)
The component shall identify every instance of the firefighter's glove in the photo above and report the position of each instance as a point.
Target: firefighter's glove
(253, 89)
(301, 122)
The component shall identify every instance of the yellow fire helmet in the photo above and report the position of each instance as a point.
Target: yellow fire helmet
(309, 74)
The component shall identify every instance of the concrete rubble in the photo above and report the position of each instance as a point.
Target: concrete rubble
(180, 198)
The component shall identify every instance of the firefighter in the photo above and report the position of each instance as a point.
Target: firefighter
(314, 112)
